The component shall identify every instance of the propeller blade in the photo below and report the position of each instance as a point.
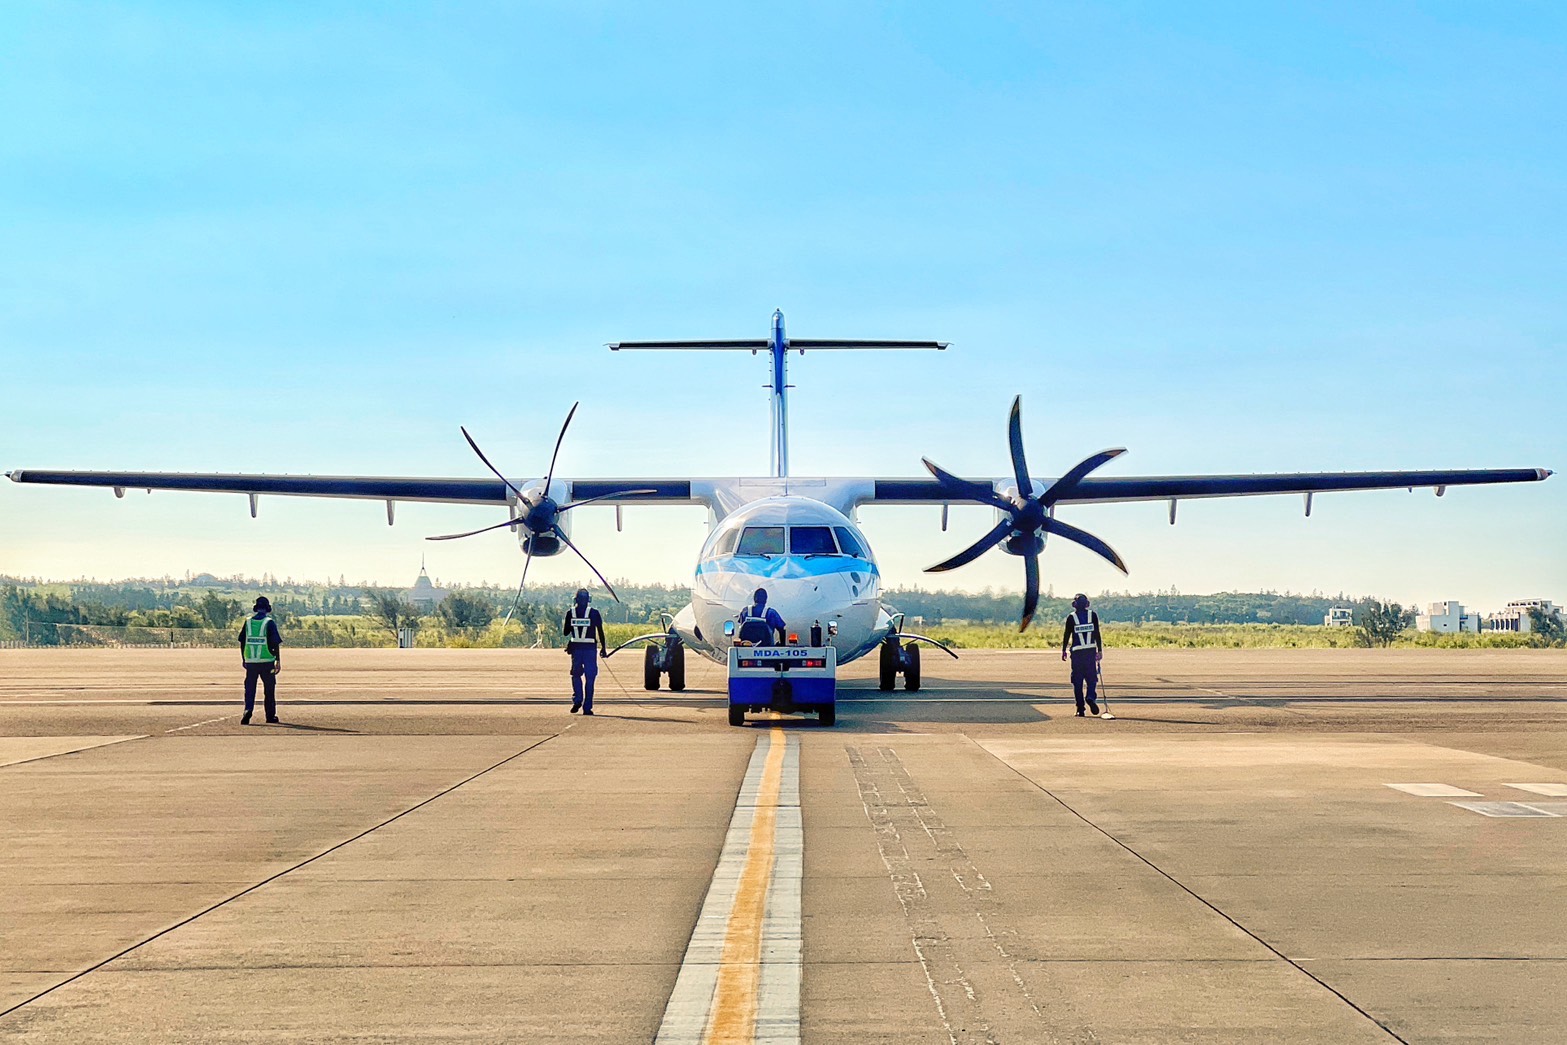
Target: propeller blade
(1086, 539)
(548, 476)
(1030, 589)
(997, 534)
(1068, 482)
(966, 488)
(562, 535)
(602, 497)
(526, 562)
(470, 533)
(488, 465)
(1025, 485)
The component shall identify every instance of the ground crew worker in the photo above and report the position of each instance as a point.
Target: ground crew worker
(260, 646)
(1086, 646)
(759, 621)
(584, 631)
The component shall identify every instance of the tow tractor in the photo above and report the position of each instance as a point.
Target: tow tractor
(793, 680)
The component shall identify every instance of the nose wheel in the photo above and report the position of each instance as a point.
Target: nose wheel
(898, 660)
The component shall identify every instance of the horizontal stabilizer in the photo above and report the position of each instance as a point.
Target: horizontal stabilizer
(744, 344)
(811, 344)
(794, 344)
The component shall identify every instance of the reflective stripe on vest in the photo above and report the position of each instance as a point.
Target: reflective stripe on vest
(1083, 632)
(256, 651)
(581, 631)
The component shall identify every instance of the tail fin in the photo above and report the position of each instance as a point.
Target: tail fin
(777, 346)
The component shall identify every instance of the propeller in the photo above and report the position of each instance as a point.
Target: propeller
(1027, 518)
(540, 513)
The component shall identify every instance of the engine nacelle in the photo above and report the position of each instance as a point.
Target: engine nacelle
(540, 510)
(540, 543)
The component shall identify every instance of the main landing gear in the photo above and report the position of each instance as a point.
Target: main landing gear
(667, 658)
(899, 660)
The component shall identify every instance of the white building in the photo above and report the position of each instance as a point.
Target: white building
(1447, 617)
(1515, 617)
(424, 595)
(1339, 617)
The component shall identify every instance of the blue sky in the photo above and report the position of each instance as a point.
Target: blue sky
(316, 238)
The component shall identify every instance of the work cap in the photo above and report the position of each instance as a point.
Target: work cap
(760, 595)
(262, 605)
(582, 595)
(1080, 601)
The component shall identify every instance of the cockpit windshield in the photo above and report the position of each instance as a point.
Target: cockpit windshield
(811, 540)
(761, 540)
(849, 543)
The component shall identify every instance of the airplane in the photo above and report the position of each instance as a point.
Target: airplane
(795, 536)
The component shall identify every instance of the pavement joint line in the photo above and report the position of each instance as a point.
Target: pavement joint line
(739, 979)
(1193, 894)
(74, 751)
(274, 877)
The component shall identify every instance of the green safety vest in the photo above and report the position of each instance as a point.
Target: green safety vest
(256, 651)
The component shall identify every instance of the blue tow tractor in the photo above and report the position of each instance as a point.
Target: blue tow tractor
(793, 680)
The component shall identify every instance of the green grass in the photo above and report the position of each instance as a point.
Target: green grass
(1205, 636)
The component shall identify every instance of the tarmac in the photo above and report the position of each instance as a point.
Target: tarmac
(1263, 846)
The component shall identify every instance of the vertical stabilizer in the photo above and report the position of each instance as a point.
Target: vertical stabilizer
(777, 345)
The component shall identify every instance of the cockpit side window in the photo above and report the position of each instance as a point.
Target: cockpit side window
(726, 543)
(811, 540)
(849, 543)
(761, 540)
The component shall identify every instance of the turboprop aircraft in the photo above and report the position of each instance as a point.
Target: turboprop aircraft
(796, 536)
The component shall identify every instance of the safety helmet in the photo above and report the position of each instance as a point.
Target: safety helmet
(1080, 601)
(263, 605)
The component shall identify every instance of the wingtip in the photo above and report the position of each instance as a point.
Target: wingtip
(1545, 473)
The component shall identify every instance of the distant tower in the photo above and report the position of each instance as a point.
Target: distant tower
(424, 595)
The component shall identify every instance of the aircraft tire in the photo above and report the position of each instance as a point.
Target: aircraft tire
(889, 667)
(911, 667)
(650, 668)
(677, 667)
(736, 715)
(827, 715)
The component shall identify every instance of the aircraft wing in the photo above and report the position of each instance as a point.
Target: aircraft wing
(1098, 490)
(374, 488)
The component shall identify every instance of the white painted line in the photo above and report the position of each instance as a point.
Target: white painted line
(698, 1003)
(1502, 809)
(195, 725)
(1435, 791)
(1553, 808)
(1549, 790)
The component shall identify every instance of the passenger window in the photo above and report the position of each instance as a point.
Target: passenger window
(849, 543)
(726, 543)
(761, 540)
(811, 540)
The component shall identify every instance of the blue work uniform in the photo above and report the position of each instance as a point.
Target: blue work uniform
(758, 625)
(1084, 642)
(584, 633)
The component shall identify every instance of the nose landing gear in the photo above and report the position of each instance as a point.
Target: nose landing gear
(899, 660)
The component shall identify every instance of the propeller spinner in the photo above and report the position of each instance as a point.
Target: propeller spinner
(1026, 518)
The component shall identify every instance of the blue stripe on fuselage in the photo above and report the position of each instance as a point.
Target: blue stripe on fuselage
(787, 567)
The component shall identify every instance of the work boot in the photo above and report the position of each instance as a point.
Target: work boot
(272, 721)
(1079, 712)
(244, 719)
(587, 711)
(576, 708)
(1093, 709)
